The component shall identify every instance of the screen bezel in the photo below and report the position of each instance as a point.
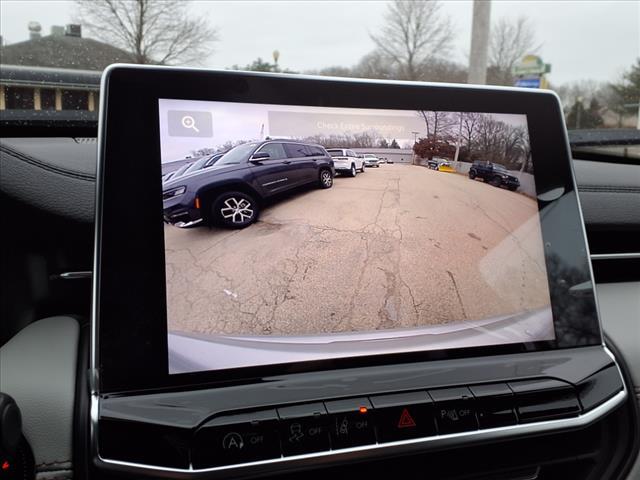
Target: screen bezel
(129, 314)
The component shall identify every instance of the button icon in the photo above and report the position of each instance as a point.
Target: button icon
(232, 440)
(450, 414)
(344, 426)
(236, 438)
(406, 420)
(351, 429)
(189, 123)
(295, 432)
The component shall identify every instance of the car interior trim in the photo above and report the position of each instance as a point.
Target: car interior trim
(615, 256)
(390, 447)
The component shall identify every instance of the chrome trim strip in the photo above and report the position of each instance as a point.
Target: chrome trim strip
(615, 256)
(75, 275)
(390, 447)
(188, 224)
(93, 344)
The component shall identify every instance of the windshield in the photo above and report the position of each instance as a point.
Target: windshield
(336, 153)
(197, 165)
(236, 155)
(181, 170)
(52, 53)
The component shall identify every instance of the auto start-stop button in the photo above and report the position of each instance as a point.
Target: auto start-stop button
(237, 438)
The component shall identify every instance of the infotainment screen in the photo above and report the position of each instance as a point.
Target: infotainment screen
(299, 233)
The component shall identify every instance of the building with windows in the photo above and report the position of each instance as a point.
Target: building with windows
(57, 72)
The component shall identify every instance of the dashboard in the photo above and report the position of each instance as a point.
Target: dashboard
(534, 407)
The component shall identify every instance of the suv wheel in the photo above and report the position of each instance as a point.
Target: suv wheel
(353, 171)
(326, 179)
(362, 169)
(472, 174)
(235, 210)
(495, 181)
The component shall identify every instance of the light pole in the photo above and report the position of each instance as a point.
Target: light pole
(415, 140)
(578, 112)
(455, 158)
(480, 29)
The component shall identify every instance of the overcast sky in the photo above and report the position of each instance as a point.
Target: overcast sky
(581, 39)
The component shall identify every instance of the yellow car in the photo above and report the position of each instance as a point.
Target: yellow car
(445, 167)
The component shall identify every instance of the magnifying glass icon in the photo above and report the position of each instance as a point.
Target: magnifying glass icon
(189, 122)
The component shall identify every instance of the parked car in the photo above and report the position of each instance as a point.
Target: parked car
(493, 173)
(346, 161)
(435, 163)
(371, 160)
(230, 192)
(176, 173)
(203, 162)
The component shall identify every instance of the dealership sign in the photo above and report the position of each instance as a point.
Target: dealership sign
(528, 82)
(531, 65)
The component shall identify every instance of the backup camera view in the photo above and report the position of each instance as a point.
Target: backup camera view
(297, 233)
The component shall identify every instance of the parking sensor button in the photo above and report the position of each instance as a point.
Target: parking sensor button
(455, 409)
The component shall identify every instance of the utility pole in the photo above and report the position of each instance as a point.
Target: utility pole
(578, 112)
(479, 53)
(455, 158)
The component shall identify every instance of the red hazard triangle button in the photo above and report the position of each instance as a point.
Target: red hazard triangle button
(406, 420)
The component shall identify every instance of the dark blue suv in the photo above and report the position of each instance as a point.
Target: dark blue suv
(230, 192)
(494, 174)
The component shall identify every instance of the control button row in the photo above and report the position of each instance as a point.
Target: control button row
(339, 424)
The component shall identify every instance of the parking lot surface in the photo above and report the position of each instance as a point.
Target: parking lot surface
(398, 246)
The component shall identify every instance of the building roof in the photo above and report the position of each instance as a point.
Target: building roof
(20, 75)
(61, 51)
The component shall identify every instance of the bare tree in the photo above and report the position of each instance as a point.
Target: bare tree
(375, 65)
(160, 32)
(469, 130)
(510, 41)
(414, 34)
(439, 124)
(585, 89)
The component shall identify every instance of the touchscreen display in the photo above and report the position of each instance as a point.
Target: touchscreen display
(300, 233)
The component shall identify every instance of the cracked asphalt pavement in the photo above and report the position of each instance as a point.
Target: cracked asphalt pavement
(398, 246)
